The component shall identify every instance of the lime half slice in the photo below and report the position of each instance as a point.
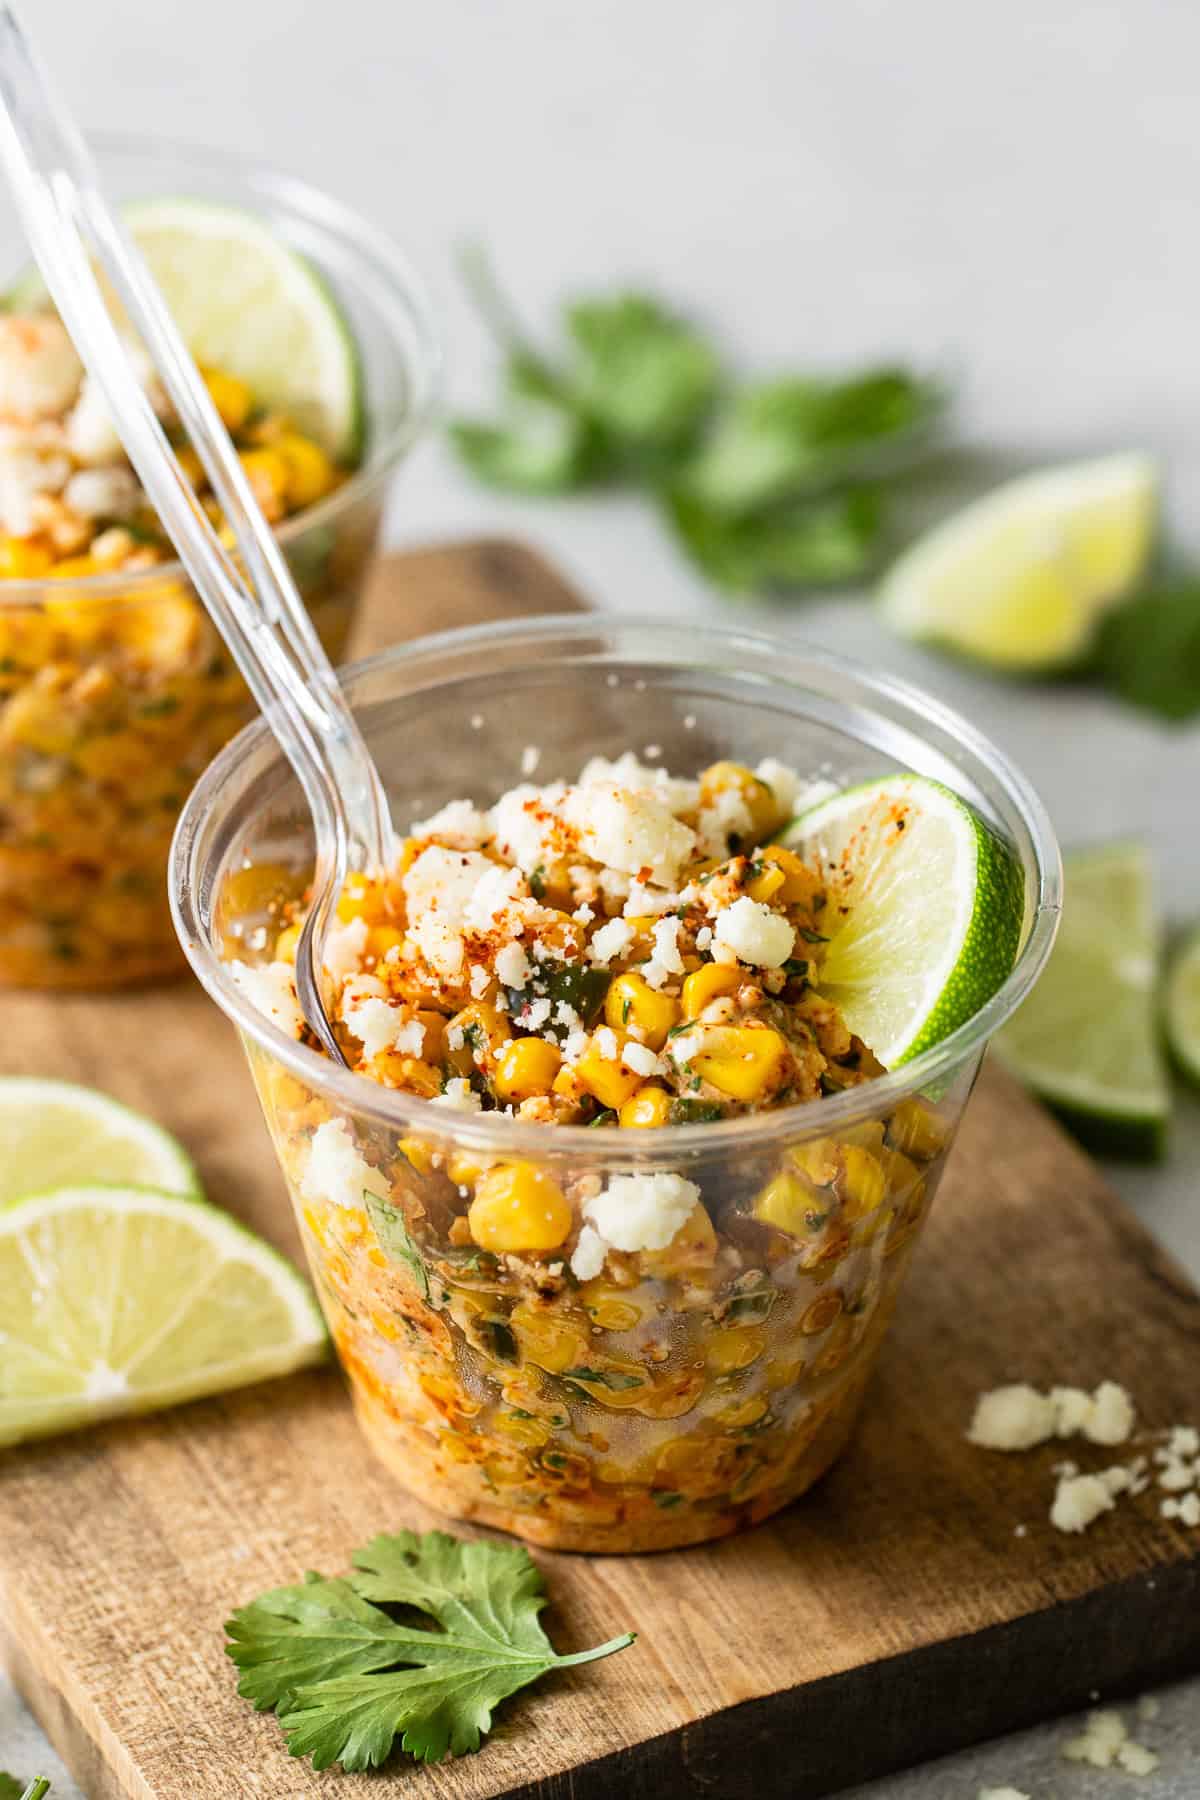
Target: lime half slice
(1181, 1005)
(1086, 1039)
(246, 303)
(118, 1300)
(924, 914)
(1019, 579)
(53, 1133)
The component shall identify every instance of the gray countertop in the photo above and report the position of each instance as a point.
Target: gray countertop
(1006, 189)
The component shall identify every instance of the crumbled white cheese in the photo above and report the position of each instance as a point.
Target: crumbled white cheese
(458, 1093)
(271, 987)
(1186, 1509)
(410, 1038)
(335, 1172)
(438, 889)
(480, 980)
(666, 946)
(606, 1044)
(458, 824)
(1078, 1500)
(630, 832)
(680, 793)
(513, 966)
(535, 1014)
(531, 756)
(590, 1251)
(641, 1059)
(103, 493)
(754, 933)
(525, 822)
(24, 478)
(565, 1014)
(1105, 1743)
(344, 948)
(40, 370)
(373, 1020)
(782, 781)
(612, 940)
(1110, 1417)
(1018, 1417)
(646, 901)
(1004, 1793)
(574, 1045)
(641, 1212)
(728, 817)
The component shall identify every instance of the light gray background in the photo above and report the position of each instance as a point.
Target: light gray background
(1010, 187)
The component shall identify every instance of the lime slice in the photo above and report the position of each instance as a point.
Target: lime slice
(1086, 1039)
(120, 1299)
(248, 304)
(1181, 1005)
(53, 1133)
(924, 913)
(1019, 579)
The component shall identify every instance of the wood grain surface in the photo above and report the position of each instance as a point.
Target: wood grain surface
(893, 1614)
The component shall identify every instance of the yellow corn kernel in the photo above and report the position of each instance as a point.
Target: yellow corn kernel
(251, 890)
(231, 397)
(863, 1185)
(381, 939)
(916, 1129)
(394, 1069)
(611, 1082)
(706, 984)
(527, 1067)
(568, 1086)
(742, 1413)
(483, 1030)
(799, 884)
(532, 1433)
(730, 1350)
(287, 943)
(690, 1252)
(284, 1092)
(651, 1105)
(310, 474)
(359, 899)
(902, 1173)
(464, 1170)
(766, 814)
(742, 1060)
(821, 1313)
(22, 560)
(632, 1001)
(419, 1153)
(608, 1308)
(517, 1207)
(267, 474)
(551, 1342)
(767, 885)
(68, 566)
(789, 1203)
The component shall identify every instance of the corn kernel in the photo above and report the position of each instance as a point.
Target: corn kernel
(21, 560)
(287, 943)
(69, 566)
(766, 815)
(632, 1001)
(251, 890)
(863, 1185)
(767, 885)
(822, 1313)
(360, 898)
(789, 1203)
(916, 1129)
(800, 884)
(464, 1170)
(394, 1069)
(730, 1350)
(381, 939)
(267, 474)
(706, 984)
(517, 1207)
(651, 1105)
(231, 397)
(310, 474)
(611, 1082)
(419, 1154)
(550, 1342)
(742, 1060)
(527, 1067)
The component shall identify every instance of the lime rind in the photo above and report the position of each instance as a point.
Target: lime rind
(1019, 579)
(935, 919)
(63, 1320)
(132, 1147)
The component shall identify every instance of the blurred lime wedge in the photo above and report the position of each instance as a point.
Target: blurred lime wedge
(248, 304)
(1019, 578)
(1086, 1039)
(924, 913)
(119, 1299)
(53, 1133)
(1181, 1005)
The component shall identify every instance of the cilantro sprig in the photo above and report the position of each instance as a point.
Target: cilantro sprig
(768, 486)
(346, 1677)
(13, 1789)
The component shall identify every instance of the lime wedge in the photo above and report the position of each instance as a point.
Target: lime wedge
(924, 913)
(246, 303)
(1019, 579)
(53, 1133)
(119, 1299)
(1181, 1005)
(1086, 1039)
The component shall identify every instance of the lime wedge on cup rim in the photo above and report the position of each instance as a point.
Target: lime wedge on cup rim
(1086, 1040)
(118, 1300)
(925, 910)
(1019, 579)
(247, 303)
(53, 1133)
(1181, 1005)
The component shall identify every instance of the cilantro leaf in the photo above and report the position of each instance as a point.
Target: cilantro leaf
(12, 1789)
(395, 1239)
(543, 444)
(346, 1680)
(782, 438)
(642, 372)
(1148, 651)
(812, 543)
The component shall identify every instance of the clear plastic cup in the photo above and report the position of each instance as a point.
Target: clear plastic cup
(115, 690)
(697, 1389)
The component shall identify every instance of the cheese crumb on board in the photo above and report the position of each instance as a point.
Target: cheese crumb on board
(1004, 1793)
(1105, 1743)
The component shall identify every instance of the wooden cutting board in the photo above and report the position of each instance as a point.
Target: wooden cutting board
(893, 1614)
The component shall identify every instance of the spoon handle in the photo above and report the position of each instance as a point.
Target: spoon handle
(262, 619)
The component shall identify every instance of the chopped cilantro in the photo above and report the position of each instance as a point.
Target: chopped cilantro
(394, 1238)
(615, 1379)
(693, 1112)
